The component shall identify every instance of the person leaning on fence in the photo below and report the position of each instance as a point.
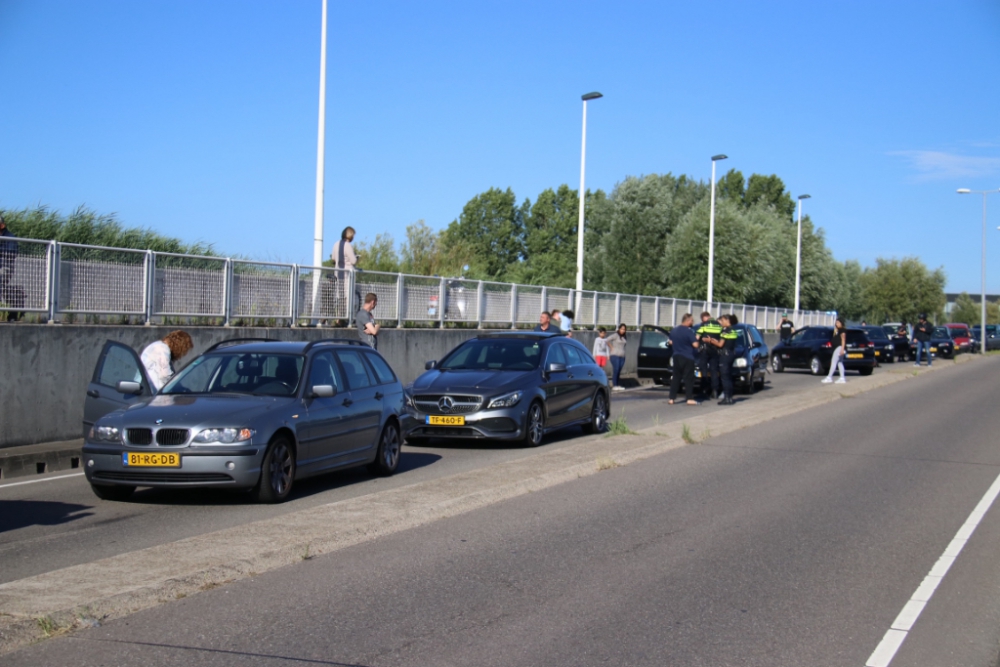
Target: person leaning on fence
(345, 261)
(159, 357)
(11, 295)
(368, 328)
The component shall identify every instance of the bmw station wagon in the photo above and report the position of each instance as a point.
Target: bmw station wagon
(247, 414)
(508, 386)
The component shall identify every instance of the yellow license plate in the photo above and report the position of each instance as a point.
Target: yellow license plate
(445, 420)
(877, 353)
(933, 349)
(151, 460)
(855, 356)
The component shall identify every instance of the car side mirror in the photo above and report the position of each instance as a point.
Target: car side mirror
(755, 344)
(430, 365)
(322, 391)
(556, 368)
(127, 387)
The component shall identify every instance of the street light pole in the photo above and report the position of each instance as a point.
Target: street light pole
(320, 171)
(583, 196)
(982, 296)
(798, 257)
(711, 235)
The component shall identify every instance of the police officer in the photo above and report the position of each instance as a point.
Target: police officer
(709, 333)
(727, 355)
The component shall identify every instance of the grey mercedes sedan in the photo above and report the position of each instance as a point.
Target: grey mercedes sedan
(508, 386)
(247, 414)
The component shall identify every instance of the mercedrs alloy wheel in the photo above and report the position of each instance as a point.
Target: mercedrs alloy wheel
(598, 415)
(535, 426)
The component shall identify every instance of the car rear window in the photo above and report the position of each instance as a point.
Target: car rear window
(958, 332)
(653, 338)
(857, 337)
(876, 333)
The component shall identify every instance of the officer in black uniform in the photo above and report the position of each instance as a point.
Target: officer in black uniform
(727, 355)
(709, 333)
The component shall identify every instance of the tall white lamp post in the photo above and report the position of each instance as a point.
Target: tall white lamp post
(982, 297)
(320, 165)
(798, 257)
(583, 196)
(711, 235)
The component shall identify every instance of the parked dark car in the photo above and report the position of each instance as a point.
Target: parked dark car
(246, 414)
(508, 386)
(812, 348)
(900, 342)
(885, 349)
(941, 344)
(992, 336)
(749, 367)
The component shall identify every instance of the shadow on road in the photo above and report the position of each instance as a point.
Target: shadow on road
(409, 460)
(16, 514)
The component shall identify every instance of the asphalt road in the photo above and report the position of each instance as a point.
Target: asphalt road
(795, 542)
(50, 525)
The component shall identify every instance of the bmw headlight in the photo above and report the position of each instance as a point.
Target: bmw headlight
(505, 401)
(224, 435)
(740, 363)
(105, 434)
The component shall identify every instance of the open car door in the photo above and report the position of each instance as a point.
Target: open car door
(654, 354)
(118, 363)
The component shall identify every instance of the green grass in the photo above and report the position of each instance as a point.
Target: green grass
(686, 435)
(620, 426)
(48, 626)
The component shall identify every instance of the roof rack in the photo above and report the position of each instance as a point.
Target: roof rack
(239, 341)
(335, 341)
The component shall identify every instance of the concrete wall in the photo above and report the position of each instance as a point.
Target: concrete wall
(45, 369)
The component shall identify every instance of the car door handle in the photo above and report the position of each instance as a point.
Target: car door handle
(570, 376)
(590, 373)
(642, 354)
(93, 393)
(347, 403)
(378, 396)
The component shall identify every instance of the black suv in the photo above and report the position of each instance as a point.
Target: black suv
(885, 348)
(656, 358)
(812, 348)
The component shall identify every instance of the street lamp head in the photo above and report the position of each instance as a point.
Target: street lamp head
(964, 191)
(805, 196)
(720, 156)
(591, 96)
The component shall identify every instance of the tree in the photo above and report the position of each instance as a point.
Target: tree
(421, 252)
(966, 310)
(847, 295)
(378, 255)
(897, 290)
(488, 236)
(550, 240)
(769, 191)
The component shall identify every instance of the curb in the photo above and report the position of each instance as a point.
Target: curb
(81, 596)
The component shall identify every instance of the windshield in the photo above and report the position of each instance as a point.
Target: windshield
(940, 332)
(259, 374)
(959, 332)
(516, 354)
(876, 333)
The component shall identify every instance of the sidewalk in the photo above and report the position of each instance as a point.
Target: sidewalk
(40, 459)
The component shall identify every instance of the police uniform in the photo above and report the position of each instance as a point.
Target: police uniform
(727, 355)
(709, 354)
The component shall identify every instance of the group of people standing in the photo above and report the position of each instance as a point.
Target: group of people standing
(713, 343)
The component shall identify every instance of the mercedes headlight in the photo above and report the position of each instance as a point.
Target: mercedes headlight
(408, 400)
(105, 434)
(224, 435)
(740, 363)
(505, 401)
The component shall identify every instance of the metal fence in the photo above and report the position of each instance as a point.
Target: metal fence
(64, 280)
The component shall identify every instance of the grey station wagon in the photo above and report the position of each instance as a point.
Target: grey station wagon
(246, 414)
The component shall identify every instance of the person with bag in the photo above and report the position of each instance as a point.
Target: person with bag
(601, 351)
(839, 343)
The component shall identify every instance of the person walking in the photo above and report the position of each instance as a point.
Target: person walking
(345, 261)
(545, 323)
(159, 356)
(601, 350)
(684, 342)
(786, 328)
(368, 328)
(709, 334)
(922, 332)
(727, 355)
(616, 347)
(839, 342)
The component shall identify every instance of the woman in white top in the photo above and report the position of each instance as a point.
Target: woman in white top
(158, 357)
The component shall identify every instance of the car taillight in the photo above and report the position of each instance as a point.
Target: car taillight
(870, 344)
(827, 344)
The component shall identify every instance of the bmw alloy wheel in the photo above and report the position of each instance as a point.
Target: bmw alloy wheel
(281, 469)
(387, 455)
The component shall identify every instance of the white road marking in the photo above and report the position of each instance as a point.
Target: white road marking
(36, 481)
(893, 639)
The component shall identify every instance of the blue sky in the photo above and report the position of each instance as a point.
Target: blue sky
(199, 119)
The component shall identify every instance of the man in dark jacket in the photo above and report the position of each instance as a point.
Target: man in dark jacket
(922, 332)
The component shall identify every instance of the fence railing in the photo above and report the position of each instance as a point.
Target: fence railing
(63, 280)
